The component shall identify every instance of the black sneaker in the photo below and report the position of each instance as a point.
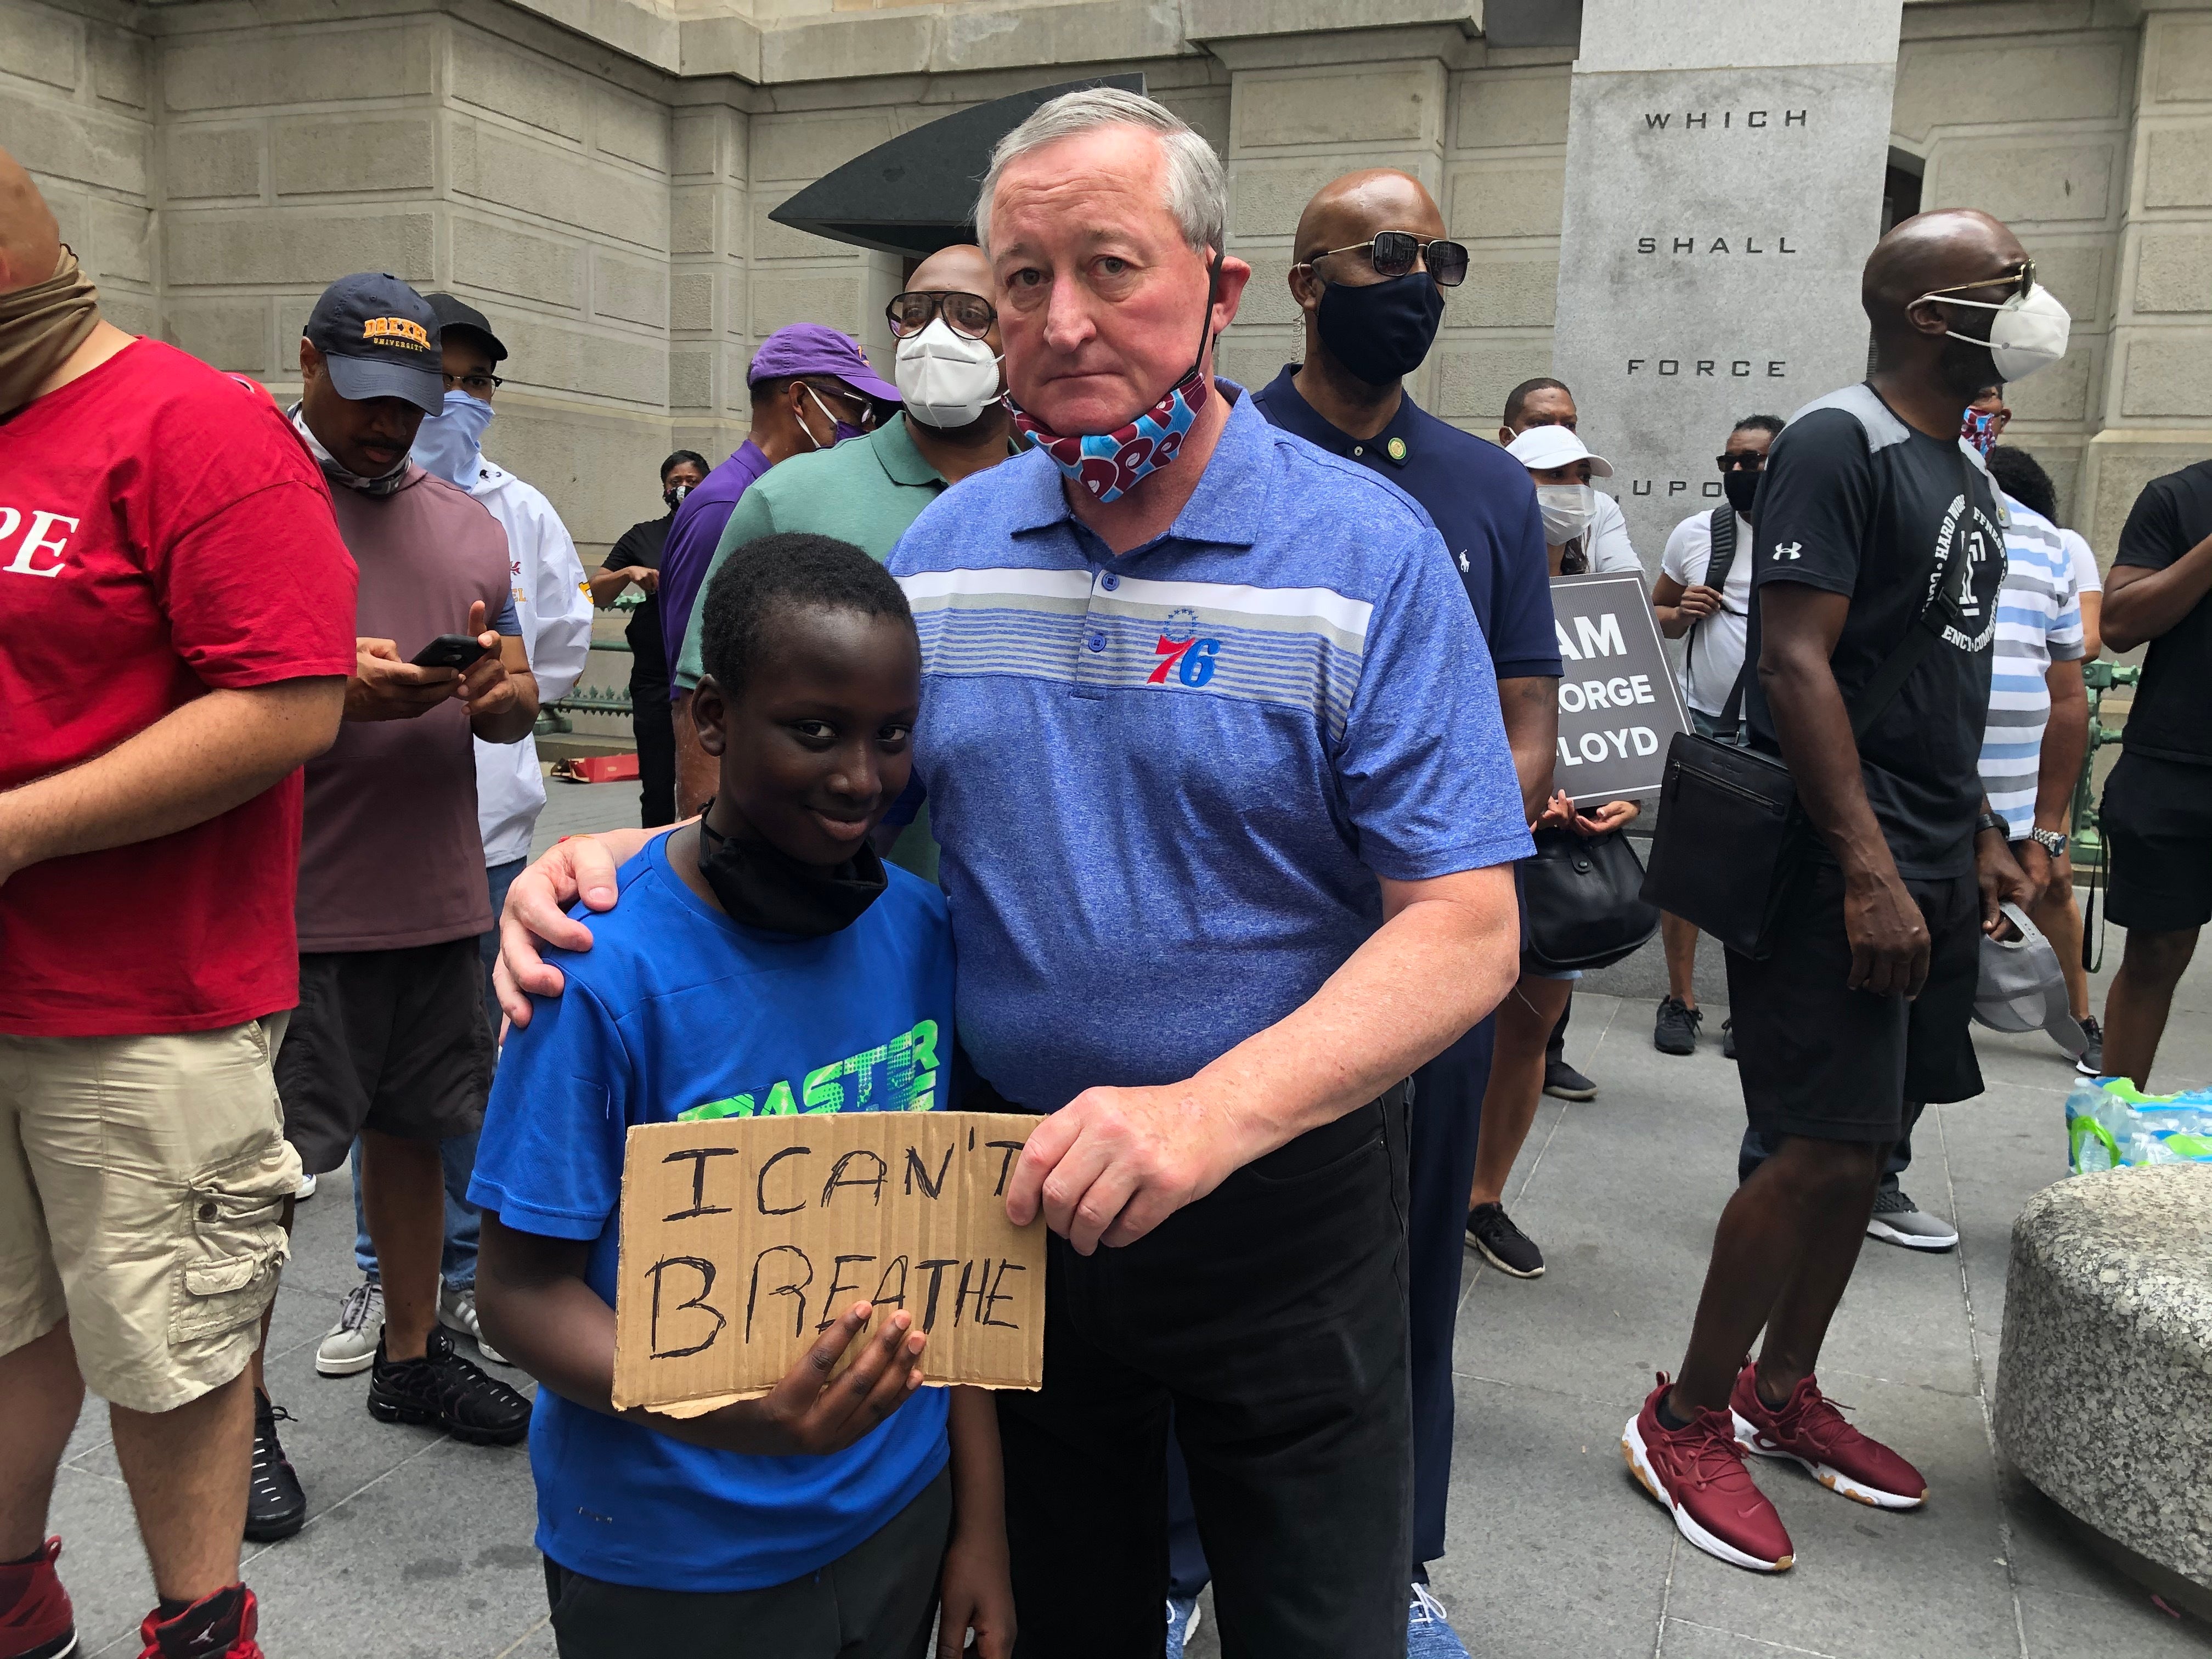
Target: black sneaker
(1728, 1039)
(1567, 1082)
(2090, 1062)
(1504, 1245)
(275, 1507)
(1676, 1031)
(446, 1392)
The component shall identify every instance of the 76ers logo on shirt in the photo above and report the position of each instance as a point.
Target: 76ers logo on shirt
(1181, 650)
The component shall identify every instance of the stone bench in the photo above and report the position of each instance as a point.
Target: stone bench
(2104, 1391)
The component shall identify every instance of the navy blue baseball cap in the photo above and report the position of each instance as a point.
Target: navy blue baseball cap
(378, 338)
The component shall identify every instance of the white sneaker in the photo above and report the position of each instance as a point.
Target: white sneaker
(1897, 1220)
(457, 1311)
(350, 1346)
(1182, 1624)
(304, 1190)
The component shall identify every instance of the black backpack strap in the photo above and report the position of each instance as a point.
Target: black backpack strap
(1897, 667)
(1722, 519)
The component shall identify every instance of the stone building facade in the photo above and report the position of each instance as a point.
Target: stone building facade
(598, 174)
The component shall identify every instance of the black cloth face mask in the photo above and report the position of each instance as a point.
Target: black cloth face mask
(1382, 331)
(1742, 488)
(761, 887)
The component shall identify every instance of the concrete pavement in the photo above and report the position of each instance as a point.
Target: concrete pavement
(420, 1545)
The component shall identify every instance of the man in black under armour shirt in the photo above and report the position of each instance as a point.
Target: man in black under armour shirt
(1859, 1015)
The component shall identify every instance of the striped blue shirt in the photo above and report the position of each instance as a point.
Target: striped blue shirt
(2039, 623)
(1166, 782)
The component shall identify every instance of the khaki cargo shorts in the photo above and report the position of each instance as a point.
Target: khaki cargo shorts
(142, 1190)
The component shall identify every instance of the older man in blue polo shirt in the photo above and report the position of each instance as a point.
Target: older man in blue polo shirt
(1213, 747)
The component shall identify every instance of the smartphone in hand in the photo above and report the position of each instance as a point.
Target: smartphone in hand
(450, 651)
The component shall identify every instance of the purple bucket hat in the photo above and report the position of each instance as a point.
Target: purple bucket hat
(818, 349)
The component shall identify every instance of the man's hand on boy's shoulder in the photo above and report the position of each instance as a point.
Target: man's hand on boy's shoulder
(814, 1410)
(536, 914)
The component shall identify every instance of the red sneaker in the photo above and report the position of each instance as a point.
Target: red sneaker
(1698, 1472)
(36, 1620)
(217, 1627)
(1808, 1428)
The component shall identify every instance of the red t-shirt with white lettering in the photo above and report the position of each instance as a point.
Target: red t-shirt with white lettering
(162, 531)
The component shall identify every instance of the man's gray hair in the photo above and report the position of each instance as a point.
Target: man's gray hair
(1198, 188)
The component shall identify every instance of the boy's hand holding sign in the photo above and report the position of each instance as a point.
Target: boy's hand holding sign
(755, 1250)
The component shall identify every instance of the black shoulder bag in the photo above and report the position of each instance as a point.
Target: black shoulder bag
(1581, 906)
(1730, 833)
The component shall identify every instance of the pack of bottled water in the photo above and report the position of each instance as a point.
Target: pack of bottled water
(2111, 1124)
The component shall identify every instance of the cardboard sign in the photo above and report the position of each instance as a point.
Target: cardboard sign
(742, 1239)
(1618, 705)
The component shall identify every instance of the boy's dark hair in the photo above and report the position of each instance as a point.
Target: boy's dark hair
(776, 572)
(679, 457)
(2021, 477)
(1771, 424)
(1521, 393)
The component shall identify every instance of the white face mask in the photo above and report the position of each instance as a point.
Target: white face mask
(946, 378)
(1568, 510)
(2025, 335)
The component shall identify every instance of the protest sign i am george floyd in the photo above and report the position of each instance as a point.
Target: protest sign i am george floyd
(1619, 705)
(743, 1240)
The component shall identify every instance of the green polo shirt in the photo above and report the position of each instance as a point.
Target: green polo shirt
(866, 491)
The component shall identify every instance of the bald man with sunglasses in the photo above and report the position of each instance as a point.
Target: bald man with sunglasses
(1373, 280)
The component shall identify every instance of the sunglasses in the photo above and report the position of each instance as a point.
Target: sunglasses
(1750, 463)
(1393, 252)
(2021, 282)
(968, 314)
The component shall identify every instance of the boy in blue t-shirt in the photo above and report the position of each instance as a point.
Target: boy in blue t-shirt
(756, 945)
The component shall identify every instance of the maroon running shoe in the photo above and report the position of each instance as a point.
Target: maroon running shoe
(1808, 1428)
(217, 1627)
(1698, 1472)
(36, 1620)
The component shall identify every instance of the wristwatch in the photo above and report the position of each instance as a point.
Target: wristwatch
(1991, 821)
(2052, 842)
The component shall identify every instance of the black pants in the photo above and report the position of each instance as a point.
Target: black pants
(874, 1601)
(1447, 1121)
(652, 721)
(1270, 1318)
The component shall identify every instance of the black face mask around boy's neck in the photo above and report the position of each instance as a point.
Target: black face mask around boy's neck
(760, 887)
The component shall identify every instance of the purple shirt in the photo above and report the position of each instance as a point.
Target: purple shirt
(692, 540)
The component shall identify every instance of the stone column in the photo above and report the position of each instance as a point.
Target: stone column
(1723, 185)
(2158, 397)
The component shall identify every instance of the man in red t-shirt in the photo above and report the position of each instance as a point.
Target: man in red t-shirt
(176, 632)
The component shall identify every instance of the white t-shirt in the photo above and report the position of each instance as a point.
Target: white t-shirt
(1609, 547)
(555, 606)
(2086, 578)
(1717, 643)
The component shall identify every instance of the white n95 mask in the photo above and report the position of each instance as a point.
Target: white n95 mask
(946, 379)
(1567, 509)
(2025, 335)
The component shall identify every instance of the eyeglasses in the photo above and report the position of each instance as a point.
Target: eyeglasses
(968, 315)
(476, 385)
(2021, 282)
(1749, 461)
(845, 397)
(1392, 252)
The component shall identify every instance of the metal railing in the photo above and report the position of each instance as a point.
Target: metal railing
(2087, 840)
(553, 720)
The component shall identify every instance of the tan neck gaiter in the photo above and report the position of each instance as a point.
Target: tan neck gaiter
(40, 326)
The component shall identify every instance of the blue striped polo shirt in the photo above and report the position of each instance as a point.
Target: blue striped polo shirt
(1166, 781)
(2039, 623)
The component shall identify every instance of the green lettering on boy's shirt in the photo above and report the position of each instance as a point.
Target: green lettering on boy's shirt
(907, 1068)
